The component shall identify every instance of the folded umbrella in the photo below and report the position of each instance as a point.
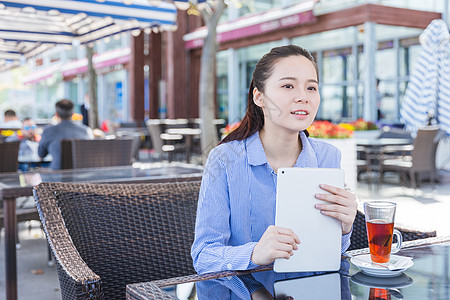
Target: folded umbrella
(427, 97)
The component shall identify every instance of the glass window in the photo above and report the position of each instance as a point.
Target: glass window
(409, 50)
(413, 54)
(71, 53)
(388, 106)
(332, 39)
(222, 84)
(115, 105)
(72, 87)
(248, 57)
(385, 62)
(331, 102)
(337, 66)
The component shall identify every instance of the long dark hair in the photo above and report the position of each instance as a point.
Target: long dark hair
(253, 120)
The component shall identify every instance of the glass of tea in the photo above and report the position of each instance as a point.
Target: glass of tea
(380, 217)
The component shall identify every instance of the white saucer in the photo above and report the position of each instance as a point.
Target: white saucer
(364, 263)
(399, 281)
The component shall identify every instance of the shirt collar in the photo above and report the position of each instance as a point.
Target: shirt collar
(255, 150)
(307, 158)
(256, 155)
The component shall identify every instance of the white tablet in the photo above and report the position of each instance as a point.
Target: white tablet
(320, 235)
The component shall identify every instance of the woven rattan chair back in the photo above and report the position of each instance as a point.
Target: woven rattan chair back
(104, 236)
(359, 234)
(66, 154)
(9, 153)
(96, 153)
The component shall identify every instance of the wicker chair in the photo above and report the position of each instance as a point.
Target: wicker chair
(359, 234)
(96, 153)
(9, 152)
(416, 160)
(105, 236)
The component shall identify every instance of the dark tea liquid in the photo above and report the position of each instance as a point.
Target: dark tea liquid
(380, 240)
(379, 294)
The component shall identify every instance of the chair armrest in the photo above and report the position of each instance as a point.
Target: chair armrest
(76, 279)
(147, 291)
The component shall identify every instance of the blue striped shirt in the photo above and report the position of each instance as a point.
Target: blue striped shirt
(237, 201)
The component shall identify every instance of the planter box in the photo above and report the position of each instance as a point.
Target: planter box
(348, 161)
(366, 134)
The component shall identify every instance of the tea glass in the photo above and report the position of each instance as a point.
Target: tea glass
(380, 217)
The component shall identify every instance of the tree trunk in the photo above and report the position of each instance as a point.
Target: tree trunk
(207, 97)
(92, 86)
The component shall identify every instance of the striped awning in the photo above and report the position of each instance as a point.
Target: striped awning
(28, 27)
(428, 91)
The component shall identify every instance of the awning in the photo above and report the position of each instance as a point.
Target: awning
(276, 19)
(29, 27)
(79, 66)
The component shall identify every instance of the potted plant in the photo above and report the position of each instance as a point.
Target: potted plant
(362, 128)
(340, 136)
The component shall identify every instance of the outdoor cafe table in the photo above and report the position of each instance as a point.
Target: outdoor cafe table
(376, 143)
(428, 278)
(188, 134)
(373, 148)
(13, 185)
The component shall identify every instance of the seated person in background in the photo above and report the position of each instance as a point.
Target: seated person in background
(27, 136)
(238, 189)
(29, 140)
(66, 129)
(11, 120)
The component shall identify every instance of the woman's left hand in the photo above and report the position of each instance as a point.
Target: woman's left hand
(342, 206)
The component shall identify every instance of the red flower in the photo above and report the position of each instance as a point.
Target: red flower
(328, 130)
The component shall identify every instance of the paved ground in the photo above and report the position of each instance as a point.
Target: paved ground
(423, 208)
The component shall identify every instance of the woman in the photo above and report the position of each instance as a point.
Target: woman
(236, 209)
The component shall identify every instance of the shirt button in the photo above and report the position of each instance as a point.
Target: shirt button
(229, 266)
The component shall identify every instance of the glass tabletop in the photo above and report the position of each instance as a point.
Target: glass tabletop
(428, 278)
(137, 172)
(382, 142)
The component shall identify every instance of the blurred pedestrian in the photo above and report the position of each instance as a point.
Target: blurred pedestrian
(379, 101)
(85, 109)
(66, 129)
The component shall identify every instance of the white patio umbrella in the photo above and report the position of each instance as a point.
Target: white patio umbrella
(428, 91)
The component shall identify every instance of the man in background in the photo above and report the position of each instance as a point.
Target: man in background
(66, 129)
(11, 120)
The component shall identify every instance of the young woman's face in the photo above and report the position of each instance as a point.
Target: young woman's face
(291, 95)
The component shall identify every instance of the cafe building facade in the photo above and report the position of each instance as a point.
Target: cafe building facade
(355, 43)
(148, 75)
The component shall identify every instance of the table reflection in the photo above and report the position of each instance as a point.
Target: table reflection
(428, 278)
(279, 286)
(382, 287)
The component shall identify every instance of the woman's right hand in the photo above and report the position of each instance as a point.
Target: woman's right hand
(276, 242)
